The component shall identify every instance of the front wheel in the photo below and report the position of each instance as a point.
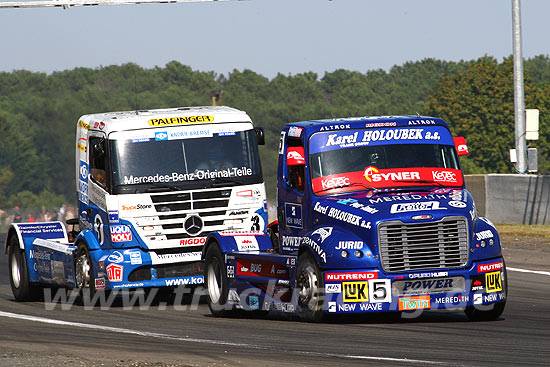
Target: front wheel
(215, 277)
(476, 313)
(310, 288)
(21, 288)
(85, 279)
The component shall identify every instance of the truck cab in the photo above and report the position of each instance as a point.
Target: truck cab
(151, 186)
(373, 216)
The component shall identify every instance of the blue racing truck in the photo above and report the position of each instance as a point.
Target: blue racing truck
(372, 216)
(151, 185)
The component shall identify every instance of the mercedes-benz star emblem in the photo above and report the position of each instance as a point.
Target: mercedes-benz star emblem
(193, 225)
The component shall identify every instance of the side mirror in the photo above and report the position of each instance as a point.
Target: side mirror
(260, 136)
(460, 144)
(295, 156)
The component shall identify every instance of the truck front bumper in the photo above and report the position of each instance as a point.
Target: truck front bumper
(135, 268)
(481, 285)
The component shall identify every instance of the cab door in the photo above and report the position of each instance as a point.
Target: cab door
(291, 209)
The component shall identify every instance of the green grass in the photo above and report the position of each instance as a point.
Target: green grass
(519, 230)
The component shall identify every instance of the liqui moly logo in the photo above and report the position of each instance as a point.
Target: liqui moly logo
(489, 267)
(114, 272)
(121, 233)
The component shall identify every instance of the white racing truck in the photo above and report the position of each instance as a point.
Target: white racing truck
(151, 185)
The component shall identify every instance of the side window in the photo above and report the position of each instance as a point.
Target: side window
(295, 161)
(98, 161)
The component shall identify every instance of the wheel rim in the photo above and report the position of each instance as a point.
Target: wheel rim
(15, 271)
(214, 281)
(307, 286)
(82, 271)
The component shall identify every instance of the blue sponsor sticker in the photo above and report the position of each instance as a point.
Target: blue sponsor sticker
(113, 216)
(83, 198)
(331, 140)
(140, 140)
(135, 258)
(161, 135)
(229, 133)
(293, 215)
(83, 171)
(48, 231)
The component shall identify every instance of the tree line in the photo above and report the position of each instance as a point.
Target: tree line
(38, 111)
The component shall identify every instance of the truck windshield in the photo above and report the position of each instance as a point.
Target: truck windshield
(184, 158)
(353, 160)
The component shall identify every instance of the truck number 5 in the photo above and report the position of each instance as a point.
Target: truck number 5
(380, 290)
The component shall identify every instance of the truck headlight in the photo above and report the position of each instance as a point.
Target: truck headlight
(344, 254)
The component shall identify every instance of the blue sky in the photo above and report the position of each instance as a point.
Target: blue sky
(269, 36)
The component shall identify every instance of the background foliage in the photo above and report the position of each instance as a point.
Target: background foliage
(38, 112)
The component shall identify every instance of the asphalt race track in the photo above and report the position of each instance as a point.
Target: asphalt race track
(171, 335)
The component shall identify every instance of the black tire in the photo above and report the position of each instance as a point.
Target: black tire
(310, 289)
(21, 288)
(215, 279)
(476, 314)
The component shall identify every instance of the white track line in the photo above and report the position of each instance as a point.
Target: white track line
(528, 271)
(209, 341)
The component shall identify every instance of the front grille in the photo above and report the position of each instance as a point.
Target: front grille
(140, 274)
(166, 228)
(166, 271)
(178, 270)
(418, 246)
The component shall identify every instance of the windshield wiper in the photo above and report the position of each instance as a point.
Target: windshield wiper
(421, 181)
(346, 185)
(222, 181)
(159, 187)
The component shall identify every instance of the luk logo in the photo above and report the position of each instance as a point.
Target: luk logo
(161, 135)
(114, 272)
(493, 282)
(355, 291)
(414, 303)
